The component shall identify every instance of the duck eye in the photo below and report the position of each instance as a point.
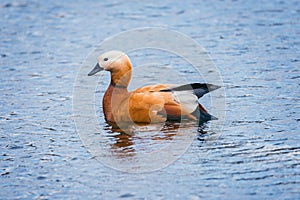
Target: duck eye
(105, 59)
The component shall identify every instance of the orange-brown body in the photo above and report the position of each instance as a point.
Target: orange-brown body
(147, 104)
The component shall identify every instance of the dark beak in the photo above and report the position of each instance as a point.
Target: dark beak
(96, 69)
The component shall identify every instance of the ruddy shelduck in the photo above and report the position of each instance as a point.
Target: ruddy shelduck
(149, 104)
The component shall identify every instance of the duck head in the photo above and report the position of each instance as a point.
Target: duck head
(118, 64)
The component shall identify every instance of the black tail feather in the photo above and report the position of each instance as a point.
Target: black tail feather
(205, 117)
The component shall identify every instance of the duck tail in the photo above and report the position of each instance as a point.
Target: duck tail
(199, 90)
(204, 116)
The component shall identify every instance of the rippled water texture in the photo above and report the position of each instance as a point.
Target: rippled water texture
(255, 46)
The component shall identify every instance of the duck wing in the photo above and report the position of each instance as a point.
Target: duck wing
(199, 89)
(157, 102)
(148, 104)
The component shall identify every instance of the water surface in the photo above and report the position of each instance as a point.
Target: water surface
(255, 45)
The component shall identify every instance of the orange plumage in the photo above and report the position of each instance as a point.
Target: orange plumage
(149, 104)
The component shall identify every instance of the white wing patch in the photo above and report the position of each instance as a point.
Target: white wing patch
(187, 100)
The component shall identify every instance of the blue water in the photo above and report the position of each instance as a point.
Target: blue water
(255, 46)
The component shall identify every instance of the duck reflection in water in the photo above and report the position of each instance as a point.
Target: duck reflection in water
(137, 137)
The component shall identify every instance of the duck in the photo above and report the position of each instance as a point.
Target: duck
(148, 104)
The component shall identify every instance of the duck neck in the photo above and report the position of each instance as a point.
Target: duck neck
(121, 79)
(112, 98)
(117, 90)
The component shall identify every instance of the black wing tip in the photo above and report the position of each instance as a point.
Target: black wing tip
(207, 86)
(204, 88)
(193, 86)
(212, 87)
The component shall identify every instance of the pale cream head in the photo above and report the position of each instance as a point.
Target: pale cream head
(119, 65)
(113, 61)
